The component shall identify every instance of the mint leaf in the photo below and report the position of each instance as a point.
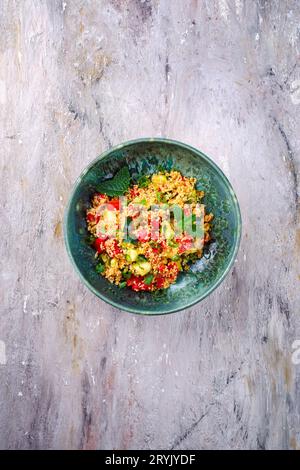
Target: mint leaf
(116, 186)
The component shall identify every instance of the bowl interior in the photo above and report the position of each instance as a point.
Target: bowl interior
(146, 156)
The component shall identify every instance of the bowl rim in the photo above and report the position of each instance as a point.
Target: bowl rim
(162, 310)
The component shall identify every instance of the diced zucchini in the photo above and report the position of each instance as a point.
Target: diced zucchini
(105, 257)
(142, 268)
(114, 263)
(131, 255)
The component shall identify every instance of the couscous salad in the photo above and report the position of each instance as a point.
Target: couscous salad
(144, 234)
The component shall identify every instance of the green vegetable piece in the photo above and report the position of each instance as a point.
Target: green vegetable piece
(126, 275)
(172, 244)
(122, 284)
(141, 269)
(148, 279)
(116, 186)
(100, 268)
(144, 181)
(131, 255)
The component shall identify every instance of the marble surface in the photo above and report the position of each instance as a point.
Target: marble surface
(75, 78)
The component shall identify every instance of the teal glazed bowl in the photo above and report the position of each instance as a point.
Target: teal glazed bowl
(146, 156)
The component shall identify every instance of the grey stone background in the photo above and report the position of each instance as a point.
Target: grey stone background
(75, 78)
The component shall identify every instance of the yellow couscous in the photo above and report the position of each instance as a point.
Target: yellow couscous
(139, 242)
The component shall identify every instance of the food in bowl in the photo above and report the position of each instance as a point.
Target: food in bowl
(149, 156)
(145, 233)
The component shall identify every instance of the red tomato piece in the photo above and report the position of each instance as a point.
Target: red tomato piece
(159, 282)
(90, 217)
(137, 283)
(114, 204)
(99, 245)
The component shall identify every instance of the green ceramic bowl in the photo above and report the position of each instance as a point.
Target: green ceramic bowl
(146, 156)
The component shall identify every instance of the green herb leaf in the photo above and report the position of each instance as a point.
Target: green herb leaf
(126, 275)
(100, 268)
(148, 279)
(144, 181)
(122, 284)
(116, 186)
(141, 259)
